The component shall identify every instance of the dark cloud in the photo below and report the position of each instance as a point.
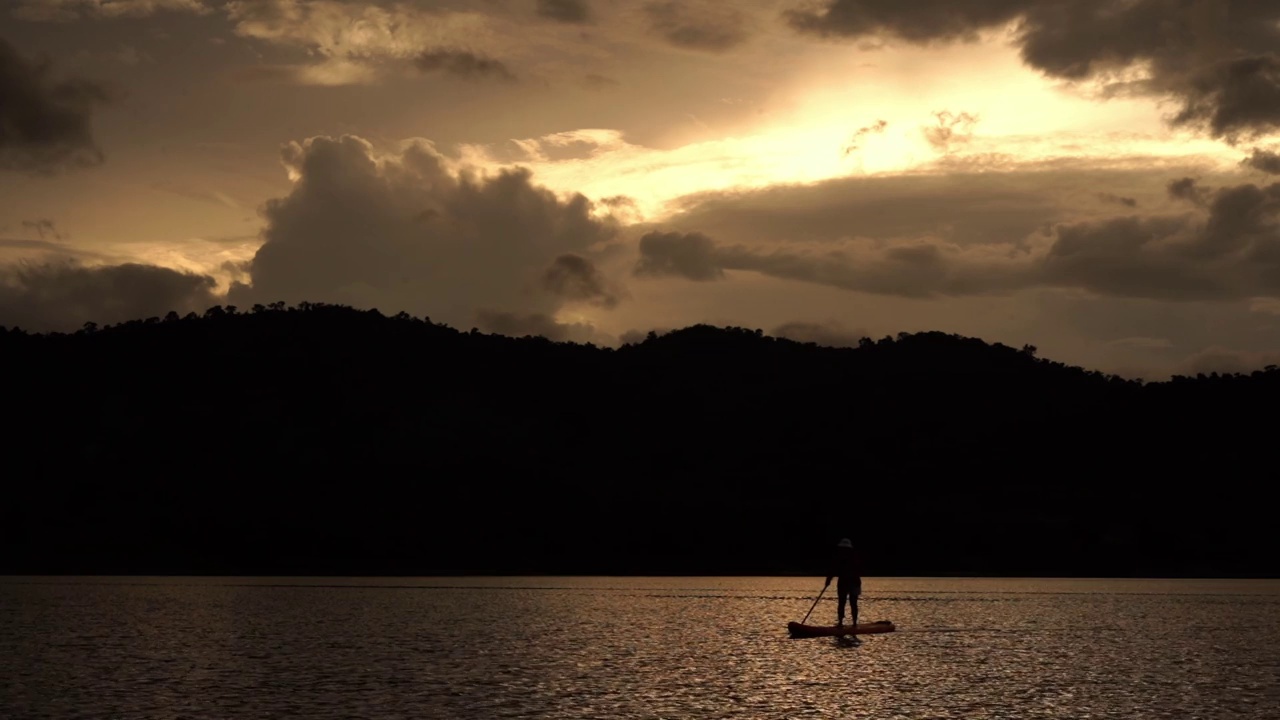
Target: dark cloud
(1235, 97)
(44, 123)
(565, 11)
(406, 231)
(687, 255)
(1117, 199)
(576, 278)
(921, 21)
(825, 334)
(913, 270)
(1267, 162)
(1217, 58)
(963, 207)
(697, 27)
(1188, 189)
(62, 296)
(463, 64)
(1227, 249)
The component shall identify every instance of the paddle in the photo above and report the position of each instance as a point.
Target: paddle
(815, 603)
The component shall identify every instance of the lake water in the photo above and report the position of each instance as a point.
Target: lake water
(653, 648)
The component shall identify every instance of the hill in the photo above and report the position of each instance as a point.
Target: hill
(326, 440)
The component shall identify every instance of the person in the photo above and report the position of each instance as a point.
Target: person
(847, 567)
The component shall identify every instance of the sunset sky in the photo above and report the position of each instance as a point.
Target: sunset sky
(1093, 177)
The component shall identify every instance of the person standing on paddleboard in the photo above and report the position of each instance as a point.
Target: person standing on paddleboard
(847, 566)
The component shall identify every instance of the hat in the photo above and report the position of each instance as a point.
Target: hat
(845, 543)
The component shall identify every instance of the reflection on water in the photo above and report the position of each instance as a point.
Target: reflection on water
(633, 648)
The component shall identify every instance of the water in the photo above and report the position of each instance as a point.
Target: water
(633, 648)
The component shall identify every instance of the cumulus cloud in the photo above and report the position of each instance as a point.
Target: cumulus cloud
(1264, 160)
(411, 230)
(710, 28)
(44, 123)
(1218, 59)
(62, 296)
(566, 11)
(1226, 248)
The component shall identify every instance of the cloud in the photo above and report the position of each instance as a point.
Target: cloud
(962, 207)
(1266, 161)
(62, 296)
(514, 324)
(914, 270)
(943, 135)
(1187, 189)
(565, 11)
(575, 278)
(413, 230)
(707, 28)
(67, 10)
(356, 42)
(215, 197)
(1217, 59)
(854, 144)
(1226, 361)
(463, 64)
(688, 255)
(43, 227)
(826, 334)
(1226, 248)
(44, 124)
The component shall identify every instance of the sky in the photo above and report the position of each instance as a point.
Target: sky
(1097, 178)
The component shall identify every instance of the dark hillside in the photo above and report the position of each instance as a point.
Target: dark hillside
(325, 440)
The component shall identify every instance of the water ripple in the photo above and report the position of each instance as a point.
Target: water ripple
(647, 648)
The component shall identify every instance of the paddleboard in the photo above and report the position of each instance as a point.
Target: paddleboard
(809, 631)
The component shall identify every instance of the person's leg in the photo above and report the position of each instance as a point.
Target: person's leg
(842, 592)
(855, 593)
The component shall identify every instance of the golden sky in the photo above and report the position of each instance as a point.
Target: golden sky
(1092, 177)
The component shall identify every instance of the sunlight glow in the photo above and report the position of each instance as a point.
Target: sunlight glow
(917, 112)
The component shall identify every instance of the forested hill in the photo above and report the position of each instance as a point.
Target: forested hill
(326, 440)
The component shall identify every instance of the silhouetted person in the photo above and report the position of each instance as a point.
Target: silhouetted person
(847, 566)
